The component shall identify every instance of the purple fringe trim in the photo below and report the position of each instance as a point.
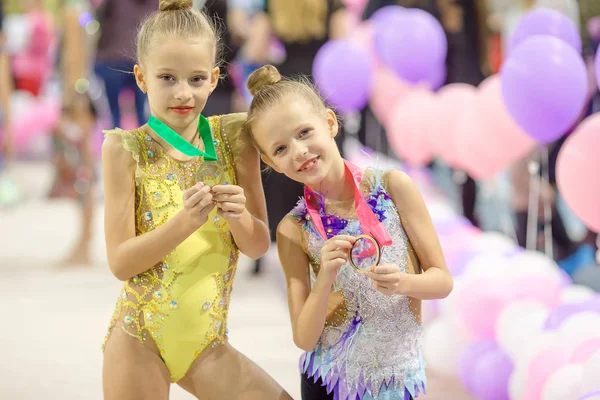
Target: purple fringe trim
(335, 381)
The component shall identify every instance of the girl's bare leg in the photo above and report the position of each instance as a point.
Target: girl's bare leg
(225, 373)
(133, 370)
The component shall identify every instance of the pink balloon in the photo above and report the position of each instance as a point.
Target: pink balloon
(480, 303)
(585, 350)
(544, 290)
(497, 141)
(546, 363)
(40, 117)
(576, 172)
(453, 117)
(408, 127)
(388, 90)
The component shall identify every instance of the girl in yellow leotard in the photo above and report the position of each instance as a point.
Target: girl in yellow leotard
(182, 198)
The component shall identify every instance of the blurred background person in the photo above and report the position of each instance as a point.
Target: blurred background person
(74, 177)
(115, 54)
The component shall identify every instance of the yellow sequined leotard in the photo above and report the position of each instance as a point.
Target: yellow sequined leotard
(182, 302)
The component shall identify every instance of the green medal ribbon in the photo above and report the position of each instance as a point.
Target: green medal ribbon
(176, 141)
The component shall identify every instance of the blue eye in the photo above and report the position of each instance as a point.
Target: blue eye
(305, 132)
(198, 79)
(279, 149)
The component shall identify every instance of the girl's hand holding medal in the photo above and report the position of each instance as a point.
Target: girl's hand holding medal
(200, 199)
(198, 203)
(230, 201)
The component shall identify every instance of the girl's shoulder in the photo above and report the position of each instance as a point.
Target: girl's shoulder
(376, 180)
(231, 124)
(299, 213)
(123, 147)
(120, 139)
(230, 127)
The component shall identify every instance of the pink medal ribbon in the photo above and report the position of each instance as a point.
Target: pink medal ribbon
(368, 221)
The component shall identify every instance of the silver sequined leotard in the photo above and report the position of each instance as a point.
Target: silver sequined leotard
(373, 350)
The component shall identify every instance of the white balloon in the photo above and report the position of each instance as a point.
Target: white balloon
(489, 266)
(536, 263)
(441, 212)
(448, 306)
(428, 313)
(519, 322)
(564, 383)
(590, 381)
(493, 242)
(517, 382)
(442, 347)
(576, 294)
(534, 345)
(580, 327)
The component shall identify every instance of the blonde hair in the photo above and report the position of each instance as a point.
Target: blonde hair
(269, 89)
(299, 20)
(175, 19)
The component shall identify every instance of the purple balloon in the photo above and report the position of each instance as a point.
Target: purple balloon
(458, 264)
(548, 22)
(438, 79)
(469, 359)
(490, 375)
(387, 14)
(591, 395)
(413, 45)
(559, 314)
(343, 73)
(544, 86)
(564, 311)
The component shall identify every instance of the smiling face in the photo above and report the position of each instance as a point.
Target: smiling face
(178, 75)
(297, 140)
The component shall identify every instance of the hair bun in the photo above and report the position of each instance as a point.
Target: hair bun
(264, 76)
(174, 5)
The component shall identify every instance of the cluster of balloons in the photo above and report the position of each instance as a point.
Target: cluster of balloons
(515, 326)
(395, 63)
(410, 43)
(545, 88)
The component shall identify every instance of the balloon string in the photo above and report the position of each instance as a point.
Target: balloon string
(548, 242)
(533, 207)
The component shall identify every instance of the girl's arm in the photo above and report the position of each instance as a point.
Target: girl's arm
(250, 230)
(128, 254)
(435, 282)
(308, 307)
